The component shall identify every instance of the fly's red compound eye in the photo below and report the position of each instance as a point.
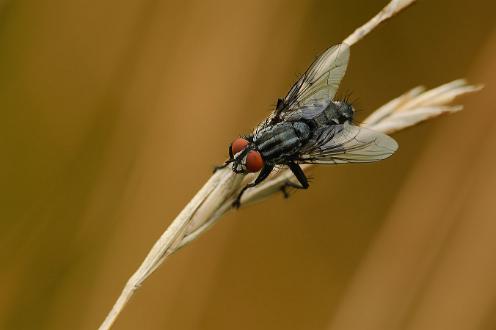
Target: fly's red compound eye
(238, 145)
(254, 161)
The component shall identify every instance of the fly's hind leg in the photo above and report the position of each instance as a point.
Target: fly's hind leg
(300, 175)
(264, 173)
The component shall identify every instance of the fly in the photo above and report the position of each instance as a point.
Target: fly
(309, 127)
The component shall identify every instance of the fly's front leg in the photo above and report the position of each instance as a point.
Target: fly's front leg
(300, 175)
(227, 162)
(264, 173)
(220, 167)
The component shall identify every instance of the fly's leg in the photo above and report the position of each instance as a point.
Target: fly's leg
(264, 173)
(300, 175)
(220, 167)
(227, 162)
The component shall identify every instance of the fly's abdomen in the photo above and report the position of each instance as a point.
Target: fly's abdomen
(281, 140)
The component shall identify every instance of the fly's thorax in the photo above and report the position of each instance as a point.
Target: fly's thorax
(302, 130)
(280, 129)
(281, 140)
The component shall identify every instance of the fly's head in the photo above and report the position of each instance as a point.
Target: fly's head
(245, 156)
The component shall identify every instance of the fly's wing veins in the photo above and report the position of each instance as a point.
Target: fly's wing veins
(346, 143)
(321, 80)
(315, 89)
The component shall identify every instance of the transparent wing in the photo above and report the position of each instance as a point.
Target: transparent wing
(311, 94)
(347, 143)
(307, 111)
(321, 80)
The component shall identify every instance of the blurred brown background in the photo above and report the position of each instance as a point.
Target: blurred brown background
(114, 112)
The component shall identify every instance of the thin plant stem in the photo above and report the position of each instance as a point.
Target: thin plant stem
(215, 198)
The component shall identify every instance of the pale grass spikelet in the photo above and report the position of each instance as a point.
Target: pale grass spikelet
(391, 9)
(216, 197)
(418, 105)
